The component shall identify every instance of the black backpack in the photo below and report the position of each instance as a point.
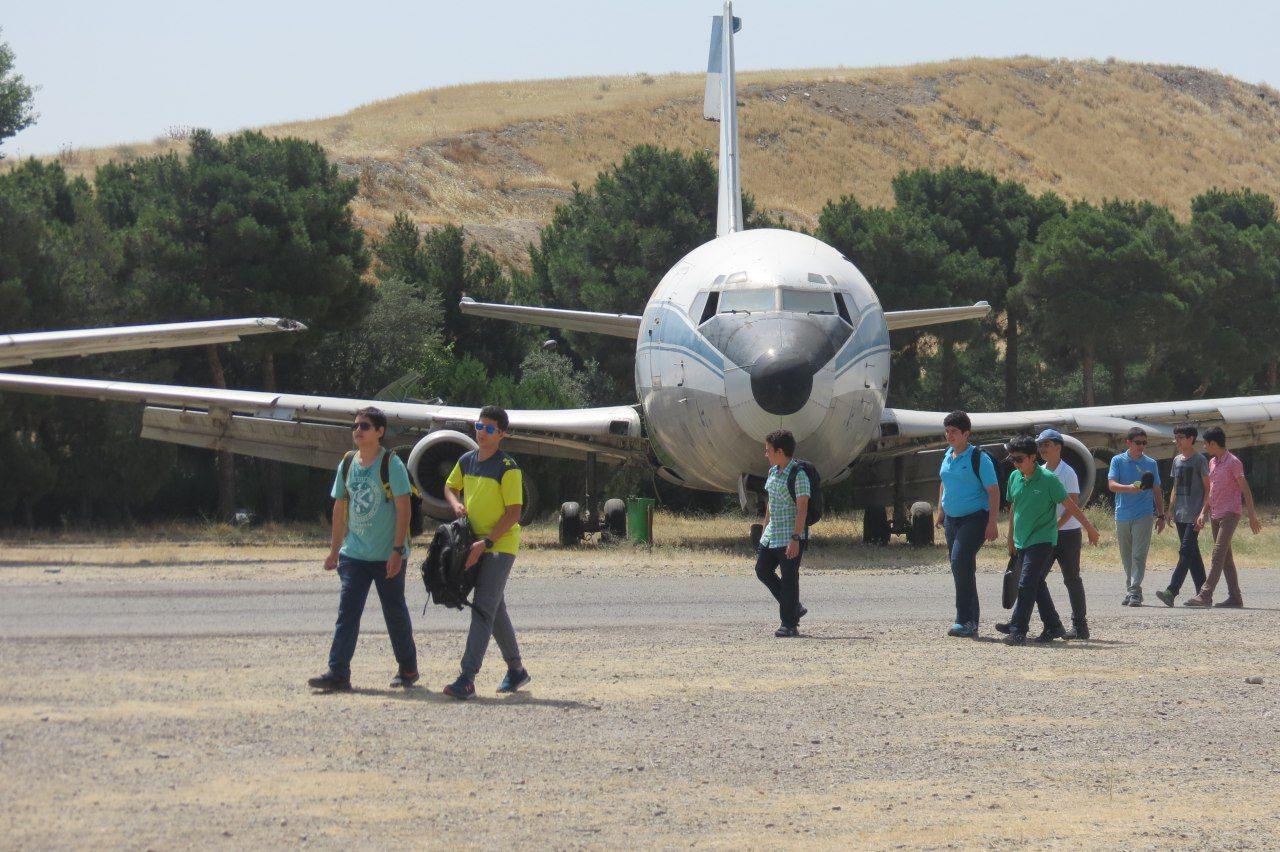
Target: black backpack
(416, 526)
(444, 571)
(816, 504)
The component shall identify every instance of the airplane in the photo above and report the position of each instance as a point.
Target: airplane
(753, 331)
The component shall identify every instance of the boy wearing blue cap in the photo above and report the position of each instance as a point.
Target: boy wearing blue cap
(1067, 551)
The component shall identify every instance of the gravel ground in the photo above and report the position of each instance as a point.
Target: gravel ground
(669, 729)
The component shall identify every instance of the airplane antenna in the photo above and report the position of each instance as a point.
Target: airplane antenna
(720, 103)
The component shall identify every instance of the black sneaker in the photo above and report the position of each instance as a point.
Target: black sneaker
(462, 688)
(1166, 596)
(1135, 600)
(1051, 633)
(1016, 639)
(1128, 601)
(785, 632)
(1003, 627)
(404, 680)
(1080, 630)
(330, 682)
(514, 681)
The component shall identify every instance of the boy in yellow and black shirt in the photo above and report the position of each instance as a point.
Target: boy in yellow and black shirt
(486, 486)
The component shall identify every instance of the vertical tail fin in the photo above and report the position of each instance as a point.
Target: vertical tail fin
(720, 103)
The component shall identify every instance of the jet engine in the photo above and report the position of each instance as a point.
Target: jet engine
(430, 462)
(1082, 462)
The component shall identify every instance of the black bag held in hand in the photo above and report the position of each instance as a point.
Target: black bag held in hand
(1009, 592)
(444, 572)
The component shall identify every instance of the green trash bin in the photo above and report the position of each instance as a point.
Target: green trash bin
(640, 519)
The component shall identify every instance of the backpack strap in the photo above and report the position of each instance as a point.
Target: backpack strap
(345, 468)
(976, 458)
(791, 480)
(384, 473)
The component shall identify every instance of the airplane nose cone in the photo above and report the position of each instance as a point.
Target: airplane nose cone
(782, 382)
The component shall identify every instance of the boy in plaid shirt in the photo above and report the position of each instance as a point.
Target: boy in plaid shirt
(785, 536)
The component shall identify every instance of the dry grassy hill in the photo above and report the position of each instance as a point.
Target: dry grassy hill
(498, 157)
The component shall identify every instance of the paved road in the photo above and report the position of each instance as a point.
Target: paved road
(250, 607)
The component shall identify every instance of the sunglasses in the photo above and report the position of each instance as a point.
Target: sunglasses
(487, 428)
(362, 427)
(1017, 459)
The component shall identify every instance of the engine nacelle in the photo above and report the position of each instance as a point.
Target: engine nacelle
(1082, 462)
(430, 463)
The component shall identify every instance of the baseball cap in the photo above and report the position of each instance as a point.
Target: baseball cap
(1049, 435)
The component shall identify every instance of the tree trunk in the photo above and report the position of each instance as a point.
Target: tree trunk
(1273, 374)
(1010, 360)
(273, 476)
(1117, 383)
(225, 461)
(950, 393)
(1086, 374)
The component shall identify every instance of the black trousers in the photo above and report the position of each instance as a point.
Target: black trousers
(782, 577)
(1067, 554)
(1033, 591)
(1189, 558)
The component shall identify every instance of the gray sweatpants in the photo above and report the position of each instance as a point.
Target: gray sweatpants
(1134, 538)
(489, 614)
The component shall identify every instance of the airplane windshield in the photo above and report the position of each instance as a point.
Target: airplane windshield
(809, 301)
(747, 301)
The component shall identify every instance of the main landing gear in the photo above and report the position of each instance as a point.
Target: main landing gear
(576, 523)
(915, 523)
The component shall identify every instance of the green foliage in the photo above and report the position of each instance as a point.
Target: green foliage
(1241, 209)
(16, 98)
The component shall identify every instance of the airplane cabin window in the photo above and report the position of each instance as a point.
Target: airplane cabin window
(713, 301)
(843, 308)
(748, 301)
(808, 301)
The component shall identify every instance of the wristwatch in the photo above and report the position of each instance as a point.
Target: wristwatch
(797, 537)
(402, 550)
(488, 543)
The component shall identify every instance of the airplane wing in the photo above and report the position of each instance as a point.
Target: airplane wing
(315, 430)
(18, 350)
(934, 316)
(616, 325)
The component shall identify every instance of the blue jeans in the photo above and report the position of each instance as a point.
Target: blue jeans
(1033, 591)
(965, 535)
(357, 575)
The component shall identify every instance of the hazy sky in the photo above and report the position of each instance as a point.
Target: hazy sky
(127, 70)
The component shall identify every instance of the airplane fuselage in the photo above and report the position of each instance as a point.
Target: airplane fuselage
(756, 331)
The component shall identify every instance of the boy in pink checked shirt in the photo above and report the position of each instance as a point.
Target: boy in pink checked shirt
(1227, 490)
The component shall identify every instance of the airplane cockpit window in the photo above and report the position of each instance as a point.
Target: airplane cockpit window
(747, 301)
(710, 306)
(843, 308)
(808, 301)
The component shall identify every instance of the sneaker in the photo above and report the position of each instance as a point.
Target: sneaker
(404, 679)
(1080, 630)
(1051, 633)
(785, 632)
(330, 682)
(514, 681)
(968, 630)
(1230, 603)
(1198, 600)
(1004, 627)
(1016, 639)
(1166, 597)
(462, 688)
(1135, 600)
(1128, 601)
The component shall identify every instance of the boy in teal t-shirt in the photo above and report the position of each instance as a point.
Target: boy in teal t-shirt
(1035, 495)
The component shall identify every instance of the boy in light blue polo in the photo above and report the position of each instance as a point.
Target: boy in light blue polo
(1134, 477)
(968, 505)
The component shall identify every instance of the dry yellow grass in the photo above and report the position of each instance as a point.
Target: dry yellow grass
(498, 157)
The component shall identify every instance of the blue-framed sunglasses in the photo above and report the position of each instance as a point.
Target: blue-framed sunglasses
(487, 428)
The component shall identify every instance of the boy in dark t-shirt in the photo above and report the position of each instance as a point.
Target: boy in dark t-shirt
(1190, 475)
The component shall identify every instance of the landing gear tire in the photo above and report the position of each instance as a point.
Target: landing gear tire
(529, 511)
(875, 525)
(615, 518)
(570, 525)
(921, 534)
(757, 532)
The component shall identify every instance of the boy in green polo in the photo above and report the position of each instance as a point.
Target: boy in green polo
(1035, 495)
